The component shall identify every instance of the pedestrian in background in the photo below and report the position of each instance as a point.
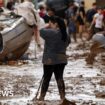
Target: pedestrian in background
(98, 21)
(42, 11)
(10, 4)
(49, 12)
(89, 18)
(91, 12)
(81, 19)
(97, 47)
(71, 19)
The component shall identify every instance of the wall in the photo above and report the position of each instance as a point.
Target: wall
(88, 3)
(100, 2)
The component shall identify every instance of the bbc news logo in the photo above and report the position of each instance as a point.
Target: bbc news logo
(6, 93)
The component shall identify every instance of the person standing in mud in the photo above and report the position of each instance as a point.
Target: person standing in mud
(71, 18)
(98, 21)
(89, 18)
(98, 46)
(54, 57)
(10, 5)
(81, 19)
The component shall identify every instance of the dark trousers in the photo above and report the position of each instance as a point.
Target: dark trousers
(58, 72)
(96, 30)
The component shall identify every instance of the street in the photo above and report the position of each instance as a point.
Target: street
(85, 84)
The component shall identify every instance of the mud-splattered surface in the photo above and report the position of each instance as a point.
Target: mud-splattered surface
(85, 84)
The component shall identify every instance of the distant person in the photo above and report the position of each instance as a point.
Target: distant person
(42, 11)
(10, 4)
(76, 5)
(89, 18)
(91, 12)
(98, 46)
(98, 37)
(50, 12)
(81, 19)
(71, 18)
(98, 21)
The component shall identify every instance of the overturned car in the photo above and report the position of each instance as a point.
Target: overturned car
(15, 37)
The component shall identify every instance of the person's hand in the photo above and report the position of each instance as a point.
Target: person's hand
(47, 25)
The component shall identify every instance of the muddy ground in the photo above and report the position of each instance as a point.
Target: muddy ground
(85, 84)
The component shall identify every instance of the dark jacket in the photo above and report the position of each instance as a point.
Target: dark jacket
(90, 14)
(54, 48)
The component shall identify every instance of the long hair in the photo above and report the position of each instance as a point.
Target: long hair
(61, 25)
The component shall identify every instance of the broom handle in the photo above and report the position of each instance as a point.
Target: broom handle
(40, 85)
